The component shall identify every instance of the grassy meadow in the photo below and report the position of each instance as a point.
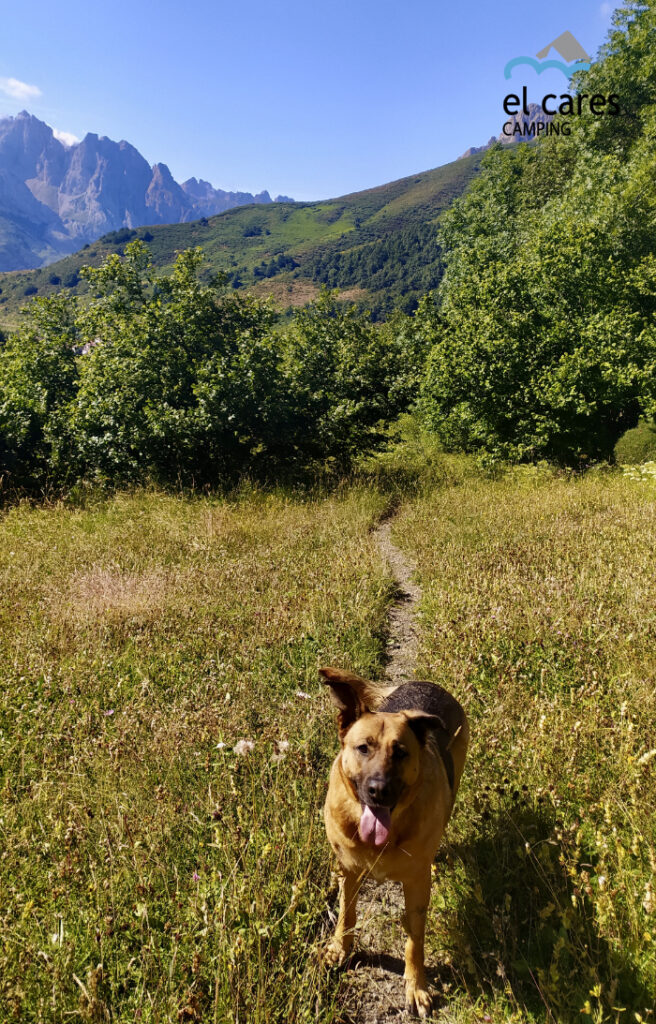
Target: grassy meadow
(147, 643)
(540, 610)
(164, 743)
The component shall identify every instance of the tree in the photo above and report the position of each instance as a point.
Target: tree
(544, 344)
(38, 378)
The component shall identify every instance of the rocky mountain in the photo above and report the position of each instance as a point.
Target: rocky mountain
(514, 129)
(478, 149)
(55, 198)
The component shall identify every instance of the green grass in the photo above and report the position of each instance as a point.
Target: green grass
(539, 609)
(150, 871)
(142, 640)
(313, 234)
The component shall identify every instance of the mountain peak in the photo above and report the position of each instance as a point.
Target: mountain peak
(56, 196)
(535, 114)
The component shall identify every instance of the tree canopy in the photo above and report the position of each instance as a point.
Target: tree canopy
(544, 343)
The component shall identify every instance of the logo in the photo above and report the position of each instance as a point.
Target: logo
(531, 120)
(569, 49)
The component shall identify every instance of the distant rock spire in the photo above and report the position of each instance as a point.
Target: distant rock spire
(54, 197)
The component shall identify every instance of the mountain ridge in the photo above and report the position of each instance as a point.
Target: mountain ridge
(55, 197)
(524, 120)
(378, 247)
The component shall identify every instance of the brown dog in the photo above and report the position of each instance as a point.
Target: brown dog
(391, 793)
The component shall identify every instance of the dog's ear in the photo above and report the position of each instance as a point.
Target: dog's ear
(348, 694)
(421, 723)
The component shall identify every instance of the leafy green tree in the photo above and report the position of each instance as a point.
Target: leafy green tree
(180, 379)
(544, 344)
(38, 378)
(346, 379)
(175, 378)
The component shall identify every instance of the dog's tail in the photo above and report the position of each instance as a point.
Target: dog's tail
(371, 694)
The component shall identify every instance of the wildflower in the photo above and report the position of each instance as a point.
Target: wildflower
(244, 747)
(109, 712)
(221, 745)
(196, 876)
(601, 881)
(280, 748)
(303, 695)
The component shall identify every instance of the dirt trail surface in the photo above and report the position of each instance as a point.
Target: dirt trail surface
(374, 989)
(402, 634)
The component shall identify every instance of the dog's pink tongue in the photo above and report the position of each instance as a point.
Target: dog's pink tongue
(375, 824)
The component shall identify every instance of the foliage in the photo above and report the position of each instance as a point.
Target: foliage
(173, 379)
(637, 445)
(348, 379)
(544, 343)
(397, 268)
(38, 379)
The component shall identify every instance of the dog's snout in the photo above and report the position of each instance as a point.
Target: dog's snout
(378, 791)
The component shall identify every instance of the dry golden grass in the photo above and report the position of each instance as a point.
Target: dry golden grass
(540, 611)
(286, 291)
(105, 591)
(164, 745)
(289, 291)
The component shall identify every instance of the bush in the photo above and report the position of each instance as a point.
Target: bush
(181, 381)
(118, 237)
(38, 378)
(30, 290)
(637, 445)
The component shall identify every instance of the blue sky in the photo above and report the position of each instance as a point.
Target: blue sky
(299, 96)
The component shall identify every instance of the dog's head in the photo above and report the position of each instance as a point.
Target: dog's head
(381, 751)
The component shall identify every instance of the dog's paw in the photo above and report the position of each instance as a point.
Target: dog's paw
(417, 1000)
(335, 954)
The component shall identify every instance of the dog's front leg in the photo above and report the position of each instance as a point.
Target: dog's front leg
(340, 946)
(417, 895)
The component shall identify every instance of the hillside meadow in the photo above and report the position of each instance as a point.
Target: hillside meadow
(164, 742)
(381, 241)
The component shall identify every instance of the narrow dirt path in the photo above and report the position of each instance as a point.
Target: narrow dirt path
(375, 990)
(402, 640)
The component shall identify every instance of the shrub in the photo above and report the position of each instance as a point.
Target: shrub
(38, 378)
(637, 445)
(179, 380)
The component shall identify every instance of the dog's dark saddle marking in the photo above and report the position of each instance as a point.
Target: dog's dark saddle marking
(432, 700)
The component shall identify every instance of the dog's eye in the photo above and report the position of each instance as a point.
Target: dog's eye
(399, 752)
(363, 748)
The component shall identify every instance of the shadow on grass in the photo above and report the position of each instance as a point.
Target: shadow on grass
(521, 921)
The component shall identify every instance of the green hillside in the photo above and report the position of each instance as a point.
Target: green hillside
(378, 245)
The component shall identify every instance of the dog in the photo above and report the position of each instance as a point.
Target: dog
(391, 792)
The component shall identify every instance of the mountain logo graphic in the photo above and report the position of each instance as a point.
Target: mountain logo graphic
(566, 46)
